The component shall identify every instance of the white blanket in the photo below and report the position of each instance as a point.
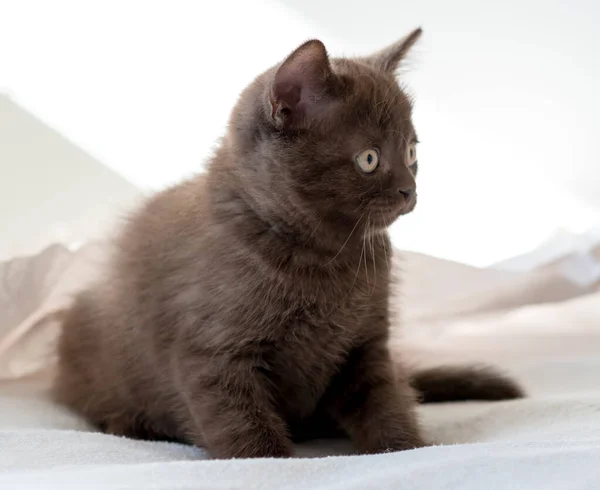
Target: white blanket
(541, 326)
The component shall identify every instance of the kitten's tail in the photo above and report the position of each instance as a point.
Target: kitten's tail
(460, 383)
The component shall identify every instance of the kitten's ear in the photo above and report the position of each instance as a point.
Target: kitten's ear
(302, 85)
(388, 59)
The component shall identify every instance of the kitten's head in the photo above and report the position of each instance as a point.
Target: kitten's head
(330, 138)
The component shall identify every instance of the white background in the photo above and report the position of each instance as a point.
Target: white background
(508, 105)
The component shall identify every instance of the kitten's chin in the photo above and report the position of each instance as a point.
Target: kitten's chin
(381, 217)
(380, 220)
(409, 206)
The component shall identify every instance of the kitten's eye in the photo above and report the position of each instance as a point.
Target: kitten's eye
(368, 160)
(411, 154)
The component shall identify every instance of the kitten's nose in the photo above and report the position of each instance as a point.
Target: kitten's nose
(407, 192)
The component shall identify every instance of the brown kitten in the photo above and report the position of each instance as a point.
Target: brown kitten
(248, 307)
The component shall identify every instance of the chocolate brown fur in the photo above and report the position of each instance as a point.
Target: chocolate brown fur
(461, 383)
(248, 307)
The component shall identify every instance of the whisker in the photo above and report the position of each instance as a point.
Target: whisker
(371, 241)
(347, 240)
(383, 244)
(365, 251)
(314, 231)
(356, 274)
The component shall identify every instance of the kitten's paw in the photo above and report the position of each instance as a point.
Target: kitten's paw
(262, 450)
(401, 443)
(258, 446)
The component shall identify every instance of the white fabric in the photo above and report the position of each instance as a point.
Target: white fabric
(541, 326)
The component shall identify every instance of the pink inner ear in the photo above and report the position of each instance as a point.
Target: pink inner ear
(301, 81)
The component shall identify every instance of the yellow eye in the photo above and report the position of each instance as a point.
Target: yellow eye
(411, 154)
(368, 160)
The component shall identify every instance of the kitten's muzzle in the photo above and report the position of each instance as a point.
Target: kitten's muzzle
(396, 198)
(390, 207)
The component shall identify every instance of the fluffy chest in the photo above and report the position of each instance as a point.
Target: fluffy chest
(299, 324)
(304, 360)
(312, 346)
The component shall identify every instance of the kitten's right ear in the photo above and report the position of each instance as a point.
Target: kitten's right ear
(302, 87)
(389, 59)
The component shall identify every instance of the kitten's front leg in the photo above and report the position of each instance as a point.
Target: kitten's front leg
(232, 410)
(373, 405)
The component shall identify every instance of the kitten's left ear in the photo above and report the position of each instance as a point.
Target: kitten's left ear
(302, 87)
(388, 59)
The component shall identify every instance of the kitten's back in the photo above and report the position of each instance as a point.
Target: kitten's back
(111, 367)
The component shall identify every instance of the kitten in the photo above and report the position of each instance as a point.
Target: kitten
(248, 307)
